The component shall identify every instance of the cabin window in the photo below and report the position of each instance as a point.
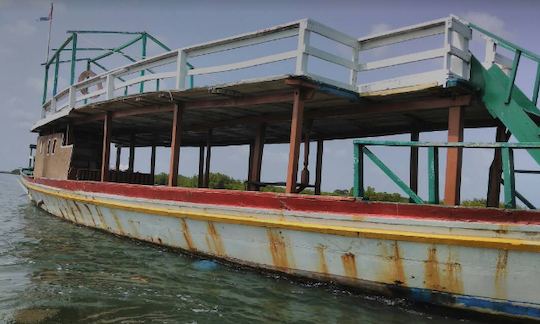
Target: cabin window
(48, 147)
(53, 146)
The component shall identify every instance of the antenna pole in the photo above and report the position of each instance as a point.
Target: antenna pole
(49, 36)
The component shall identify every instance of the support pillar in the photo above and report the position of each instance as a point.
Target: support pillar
(413, 165)
(495, 170)
(200, 179)
(106, 153)
(295, 139)
(206, 183)
(153, 162)
(256, 157)
(131, 153)
(304, 176)
(176, 137)
(318, 167)
(454, 157)
(118, 155)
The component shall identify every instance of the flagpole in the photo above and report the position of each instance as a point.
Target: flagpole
(49, 36)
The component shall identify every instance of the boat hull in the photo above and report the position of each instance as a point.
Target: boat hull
(490, 267)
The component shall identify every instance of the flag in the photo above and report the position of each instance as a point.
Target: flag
(49, 17)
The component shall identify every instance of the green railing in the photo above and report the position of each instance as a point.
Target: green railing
(518, 52)
(508, 174)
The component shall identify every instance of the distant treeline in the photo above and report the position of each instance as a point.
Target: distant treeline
(223, 181)
(16, 171)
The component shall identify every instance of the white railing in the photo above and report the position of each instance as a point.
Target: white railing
(454, 52)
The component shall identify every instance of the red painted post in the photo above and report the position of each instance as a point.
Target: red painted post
(454, 157)
(294, 142)
(318, 167)
(495, 170)
(176, 137)
(106, 153)
(257, 155)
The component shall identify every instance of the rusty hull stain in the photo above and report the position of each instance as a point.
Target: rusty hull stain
(349, 265)
(449, 279)
(103, 224)
(501, 274)
(393, 271)
(213, 240)
(187, 235)
(117, 222)
(323, 267)
(278, 249)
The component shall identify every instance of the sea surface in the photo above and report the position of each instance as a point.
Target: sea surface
(53, 271)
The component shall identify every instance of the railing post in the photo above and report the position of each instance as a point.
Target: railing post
(303, 43)
(73, 57)
(53, 104)
(358, 188)
(353, 78)
(72, 97)
(433, 174)
(181, 70)
(56, 66)
(491, 50)
(513, 74)
(509, 178)
(110, 86)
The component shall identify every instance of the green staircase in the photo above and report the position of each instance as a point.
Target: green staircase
(504, 100)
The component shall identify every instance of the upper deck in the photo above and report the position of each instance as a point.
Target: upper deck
(341, 103)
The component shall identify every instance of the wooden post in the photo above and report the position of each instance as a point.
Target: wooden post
(105, 156)
(153, 162)
(200, 180)
(495, 170)
(304, 176)
(250, 164)
(294, 142)
(257, 155)
(131, 153)
(118, 155)
(413, 166)
(176, 137)
(318, 167)
(206, 183)
(454, 157)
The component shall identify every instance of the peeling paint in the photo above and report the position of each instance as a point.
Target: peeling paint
(501, 274)
(323, 267)
(349, 265)
(187, 235)
(278, 249)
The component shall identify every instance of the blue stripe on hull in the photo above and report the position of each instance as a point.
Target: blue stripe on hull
(475, 303)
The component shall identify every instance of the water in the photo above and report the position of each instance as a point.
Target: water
(52, 271)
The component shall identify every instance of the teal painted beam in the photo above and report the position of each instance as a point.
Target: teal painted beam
(143, 55)
(536, 85)
(73, 58)
(116, 49)
(400, 183)
(57, 53)
(45, 84)
(102, 32)
(513, 74)
(55, 81)
(522, 145)
(433, 175)
(358, 171)
(509, 178)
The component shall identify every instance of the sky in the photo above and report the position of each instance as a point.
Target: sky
(23, 42)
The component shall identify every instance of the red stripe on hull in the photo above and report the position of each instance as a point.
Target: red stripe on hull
(301, 203)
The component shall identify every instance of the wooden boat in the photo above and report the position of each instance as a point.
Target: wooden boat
(481, 259)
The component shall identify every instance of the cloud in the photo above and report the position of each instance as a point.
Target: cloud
(21, 28)
(34, 83)
(379, 28)
(489, 22)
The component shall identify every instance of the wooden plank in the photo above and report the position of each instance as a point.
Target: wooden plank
(106, 150)
(295, 139)
(431, 79)
(454, 157)
(318, 166)
(329, 57)
(176, 137)
(403, 59)
(407, 33)
(244, 64)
